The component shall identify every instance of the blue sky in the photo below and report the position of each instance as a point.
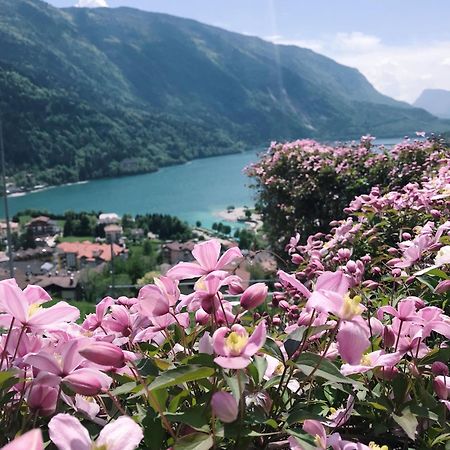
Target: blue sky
(401, 46)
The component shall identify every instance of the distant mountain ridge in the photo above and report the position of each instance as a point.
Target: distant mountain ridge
(435, 101)
(98, 92)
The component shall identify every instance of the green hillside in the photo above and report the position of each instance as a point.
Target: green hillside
(87, 93)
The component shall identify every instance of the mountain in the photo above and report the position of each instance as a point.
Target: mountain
(435, 101)
(87, 93)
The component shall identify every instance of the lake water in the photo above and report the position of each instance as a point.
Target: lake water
(192, 191)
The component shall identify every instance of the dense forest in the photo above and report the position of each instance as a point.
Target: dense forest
(87, 93)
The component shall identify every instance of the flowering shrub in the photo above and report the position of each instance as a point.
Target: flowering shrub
(303, 185)
(350, 352)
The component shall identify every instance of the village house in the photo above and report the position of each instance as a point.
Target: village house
(113, 233)
(61, 287)
(174, 252)
(87, 254)
(43, 226)
(14, 227)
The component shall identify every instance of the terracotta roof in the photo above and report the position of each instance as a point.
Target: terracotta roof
(90, 251)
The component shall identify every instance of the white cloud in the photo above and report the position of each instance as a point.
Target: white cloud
(400, 71)
(92, 4)
(356, 41)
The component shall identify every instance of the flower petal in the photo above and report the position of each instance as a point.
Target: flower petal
(122, 434)
(184, 270)
(29, 441)
(207, 254)
(67, 433)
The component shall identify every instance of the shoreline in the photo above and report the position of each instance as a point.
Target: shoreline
(32, 190)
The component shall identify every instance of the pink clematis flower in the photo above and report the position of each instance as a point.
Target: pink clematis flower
(67, 433)
(372, 360)
(234, 346)
(66, 363)
(24, 307)
(29, 441)
(207, 255)
(95, 320)
(157, 299)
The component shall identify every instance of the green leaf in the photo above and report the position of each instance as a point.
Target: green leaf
(307, 362)
(8, 378)
(272, 349)
(305, 440)
(236, 387)
(147, 367)
(261, 366)
(196, 416)
(124, 389)
(181, 375)
(154, 434)
(194, 441)
(293, 341)
(408, 422)
(302, 412)
(442, 354)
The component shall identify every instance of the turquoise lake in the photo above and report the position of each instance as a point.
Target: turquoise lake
(192, 191)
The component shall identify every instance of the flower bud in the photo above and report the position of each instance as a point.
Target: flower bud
(224, 406)
(87, 381)
(439, 368)
(440, 387)
(254, 296)
(351, 266)
(388, 337)
(387, 373)
(235, 287)
(344, 253)
(104, 354)
(366, 259)
(297, 259)
(442, 287)
(42, 398)
(406, 236)
(284, 305)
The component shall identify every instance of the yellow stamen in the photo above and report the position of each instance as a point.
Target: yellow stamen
(377, 447)
(236, 342)
(351, 307)
(33, 309)
(366, 361)
(319, 442)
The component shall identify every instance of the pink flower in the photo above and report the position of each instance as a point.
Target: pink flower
(67, 433)
(207, 255)
(224, 406)
(94, 321)
(406, 311)
(329, 293)
(104, 354)
(234, 346)
(66, 364)
(254, 296)
(24, 307)
(370, 361)
(29, 441)
(41, 398)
